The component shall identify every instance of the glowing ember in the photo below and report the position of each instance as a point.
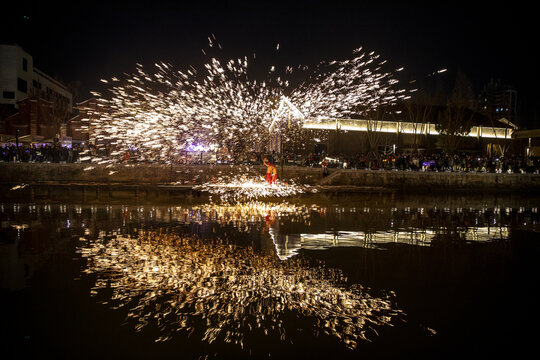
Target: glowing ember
(243, 188)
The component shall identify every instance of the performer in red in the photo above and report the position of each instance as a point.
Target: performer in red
(324, 165)
(268, 170)
(274, 174)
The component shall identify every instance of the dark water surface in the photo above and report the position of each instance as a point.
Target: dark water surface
(316, 278)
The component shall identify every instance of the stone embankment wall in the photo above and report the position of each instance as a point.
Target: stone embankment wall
(435, 180)
(151, 174)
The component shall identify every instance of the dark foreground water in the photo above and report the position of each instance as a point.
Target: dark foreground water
(316, 278)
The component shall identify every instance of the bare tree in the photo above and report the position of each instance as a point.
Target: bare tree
(374, 135)
(457, 119)
(419, 112)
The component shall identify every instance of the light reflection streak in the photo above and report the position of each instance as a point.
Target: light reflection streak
(288, 245)
(225, 292)
(420, 237)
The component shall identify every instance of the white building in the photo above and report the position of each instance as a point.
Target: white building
(19, 79)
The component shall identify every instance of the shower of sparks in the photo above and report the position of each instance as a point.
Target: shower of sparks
(225, 293)
(339, 89)
(163, 113)
(244, 188)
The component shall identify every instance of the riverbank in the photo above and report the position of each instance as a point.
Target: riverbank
(154, 182)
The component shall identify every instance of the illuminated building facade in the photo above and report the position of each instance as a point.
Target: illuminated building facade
(43, 102)
(401, 133)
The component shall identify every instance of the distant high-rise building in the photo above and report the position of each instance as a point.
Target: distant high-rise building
(499, 102)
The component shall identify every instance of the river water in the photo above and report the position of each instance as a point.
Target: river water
(363, 276)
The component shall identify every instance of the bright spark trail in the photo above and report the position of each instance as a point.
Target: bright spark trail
(243, 188)
(163, 113)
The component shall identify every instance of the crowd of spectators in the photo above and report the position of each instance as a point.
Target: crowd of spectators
(398, 162)
(430, 162)
(44, 153)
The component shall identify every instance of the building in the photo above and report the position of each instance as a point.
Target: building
(499, 101)
(408, 134)
(79, 127)
(33, 123)
(530, 141)
(25, 88)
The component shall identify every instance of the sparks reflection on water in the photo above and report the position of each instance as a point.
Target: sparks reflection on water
(224, 292)
(243, 213)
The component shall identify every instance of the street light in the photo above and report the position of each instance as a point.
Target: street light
(17, 143)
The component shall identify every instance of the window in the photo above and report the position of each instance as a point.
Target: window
(24, 64)
(22, 85)
(9, 94)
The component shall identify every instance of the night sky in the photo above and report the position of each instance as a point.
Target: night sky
(86, 41)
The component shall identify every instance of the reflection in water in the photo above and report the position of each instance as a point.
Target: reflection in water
(210, 272)
(289, 245)
(430, 224)
(245, 213)
(225, 292)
